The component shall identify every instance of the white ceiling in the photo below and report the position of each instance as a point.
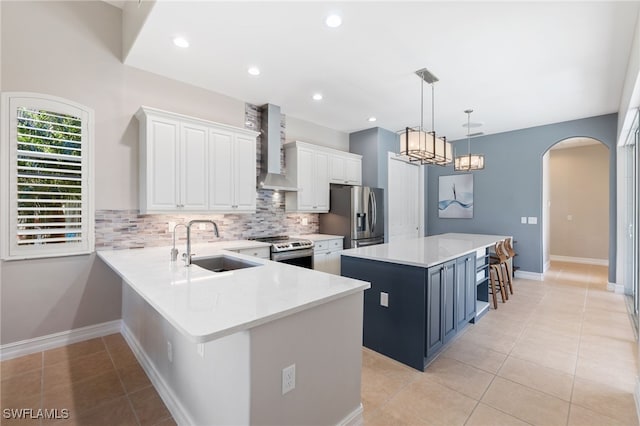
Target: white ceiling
(518, 64)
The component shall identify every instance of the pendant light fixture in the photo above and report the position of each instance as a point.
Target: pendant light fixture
(468, 162)
(422, 146)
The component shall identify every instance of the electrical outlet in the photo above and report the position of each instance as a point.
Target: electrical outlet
(523, 220)
(169, 351)
(288, 378)
(171, 226)
(569, 217)
(305, 221)
(533, 220)
(202, 226)
(384, 299)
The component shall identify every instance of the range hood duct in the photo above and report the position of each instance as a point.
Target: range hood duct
(271, 176)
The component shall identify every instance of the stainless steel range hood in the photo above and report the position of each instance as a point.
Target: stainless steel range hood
(271, 176)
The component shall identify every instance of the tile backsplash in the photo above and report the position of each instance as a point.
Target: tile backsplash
(124, 229)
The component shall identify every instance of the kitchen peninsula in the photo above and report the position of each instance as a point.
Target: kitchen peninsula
(215, 344)
(423, 291)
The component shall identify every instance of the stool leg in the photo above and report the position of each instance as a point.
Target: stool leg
(503, 292)
(509, 281)
(493, 289)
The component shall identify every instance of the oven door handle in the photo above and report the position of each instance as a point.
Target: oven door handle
(292, 254)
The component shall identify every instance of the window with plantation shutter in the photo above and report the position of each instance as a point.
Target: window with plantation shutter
(47, 183)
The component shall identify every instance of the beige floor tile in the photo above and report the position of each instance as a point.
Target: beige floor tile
(116, 412)
(21, 387)
(148, 406)
(73, 351)
(605, 400)
(377, 388)
(493, 340)
(580, 416)
(13, 367)
(167, 422)
(526, 404)
(12, 403)
(476, 356)
(550, 358)
(430, 403)
(384, 418)
(607, 349)
(558, 341)
(484, 415)
(80, 368)
(608, 373)
(133, 377)
(115, 341)
(84, 395)
(530, 374)
(605, 329)
(387, 366)
(122, 356)
(458, 376)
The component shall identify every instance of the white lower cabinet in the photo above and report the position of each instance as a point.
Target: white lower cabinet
(326, 255)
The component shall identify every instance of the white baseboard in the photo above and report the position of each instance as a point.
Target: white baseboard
(56, 340)
(353, 419)
(526, 275)
(584, 260)
(546, 266)
(636, 396)
(177, 410)
(616, 288)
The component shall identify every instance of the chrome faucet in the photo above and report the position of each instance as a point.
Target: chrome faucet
(187, 256)
(174, 250)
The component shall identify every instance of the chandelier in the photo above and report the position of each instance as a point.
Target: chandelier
(420, 145)
(465, 163)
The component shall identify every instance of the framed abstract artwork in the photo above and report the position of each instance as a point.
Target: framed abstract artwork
(455, 197)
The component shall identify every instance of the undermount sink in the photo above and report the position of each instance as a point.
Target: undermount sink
(223, 263)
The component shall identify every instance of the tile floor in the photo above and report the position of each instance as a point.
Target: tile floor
(559, 352)
(98, 381)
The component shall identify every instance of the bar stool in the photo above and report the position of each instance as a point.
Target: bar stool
(504, 254)
(496, 269)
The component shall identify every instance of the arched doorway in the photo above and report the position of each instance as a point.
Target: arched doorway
(576, 198)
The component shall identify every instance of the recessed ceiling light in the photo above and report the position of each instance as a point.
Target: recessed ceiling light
(371, 119)
(317, 96)
(181, 42)
(254, 70)
(333, 21)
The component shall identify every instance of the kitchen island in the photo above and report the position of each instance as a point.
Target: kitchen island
(423, 292)
(215, 344)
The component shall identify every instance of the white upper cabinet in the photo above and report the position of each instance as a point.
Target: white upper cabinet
(345, 168)
(308, 167)
(232, 174)
(188, 164)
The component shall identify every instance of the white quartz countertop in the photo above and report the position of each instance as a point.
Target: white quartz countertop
(318, 237)
(207, 305)
(426, 251)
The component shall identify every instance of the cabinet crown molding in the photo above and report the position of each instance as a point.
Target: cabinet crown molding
(144, 111)
(308, 145)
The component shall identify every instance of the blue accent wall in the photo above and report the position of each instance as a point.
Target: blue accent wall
(373, 144)
(510, 186)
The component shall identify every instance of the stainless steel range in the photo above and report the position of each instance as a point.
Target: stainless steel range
(294, 251)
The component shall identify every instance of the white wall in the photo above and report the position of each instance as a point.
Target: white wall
(305, 131)
(546, 206)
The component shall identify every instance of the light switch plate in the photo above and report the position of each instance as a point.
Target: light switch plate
(384, 299)
(533, 220)
(569, 217)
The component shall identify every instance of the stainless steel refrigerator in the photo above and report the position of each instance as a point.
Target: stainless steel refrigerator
(357, 213)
